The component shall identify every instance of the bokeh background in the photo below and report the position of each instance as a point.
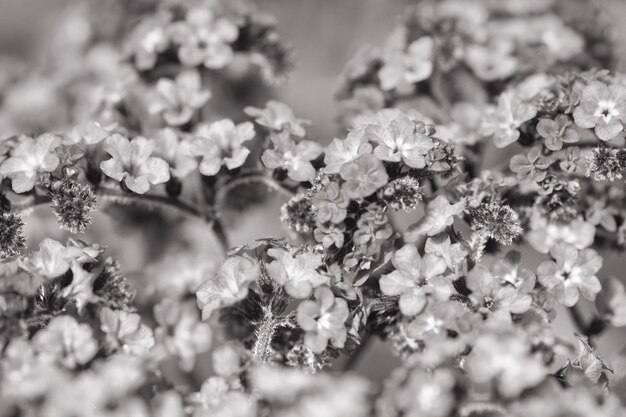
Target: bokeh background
(325, 34)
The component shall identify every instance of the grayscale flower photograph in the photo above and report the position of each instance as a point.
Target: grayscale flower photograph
(312, 208)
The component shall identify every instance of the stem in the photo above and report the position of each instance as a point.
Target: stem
(250, 177)
(264, 335)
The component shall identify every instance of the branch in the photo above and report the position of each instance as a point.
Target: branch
(251, 177)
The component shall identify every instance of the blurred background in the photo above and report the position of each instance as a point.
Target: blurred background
(325, 34)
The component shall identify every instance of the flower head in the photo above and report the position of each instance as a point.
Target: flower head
(30, 157)
(572, 273)
(298, 274)
(132, 163)
(221, 143)
(402, 140)
(602, 108)
(323, 319)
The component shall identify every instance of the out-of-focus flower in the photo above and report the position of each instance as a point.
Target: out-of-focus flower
(507, 269)
(401, 140)
(503, 121)
(67, 341)
(363, 176)
(217, 399)
(176, 151)
(531, 167)
(177, 100)
(204, 38)
(602, 108)
(294, 157)
(278, 117)
(415, 279)
(505, 360)
(89, 133)
(148, 40)
(30, 157)
(572, 273)
(440, 214)
(543, 235)
(323, 319)
(228, 359)
(132, 163)
(229, 285)
(592, 365)
(180, 332)
(557, 132)
(402, 68)
(221, 143)
(494, 61)
(611, 302)
(125, 331)
(489, 295)
(298, 274)
(343, 151)
(453, 254)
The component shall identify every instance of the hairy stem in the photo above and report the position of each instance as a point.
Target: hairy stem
(264, 334)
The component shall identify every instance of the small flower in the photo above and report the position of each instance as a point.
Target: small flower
(507, 269)
(602, 108)
(89, 133)
(221, 143)
(176, 151)
(401, 68)
(132, 163)
(531, 167)
(298, 274)
(53, 259)
(228, 359)
(415, 279)
(66, 340)
(372, 231)
(229, 286)
(125, 331)
(606, 164)
(180, 332)
(72, 202)
(30, 157)
(299, 213)
(494, 61)
(489, 295)
(177, 100)
(218, 398)
(543, 235)
(112, 287)
(329, 234)
(453, 254)
(204, 39)
(572, 273)
(12, 242)
(402, 140)
(149, 39)
(611, 302)
(440, 214)
(497, 220)
(557, 132)
(323, 319)
(331, 204)
(503, 121)
(278, 117)
(363, 176)
(343, 151)
(294, 157)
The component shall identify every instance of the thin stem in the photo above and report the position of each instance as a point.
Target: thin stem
(247, 178)
(264, 335)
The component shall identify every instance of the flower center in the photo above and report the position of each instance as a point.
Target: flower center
(606, 110)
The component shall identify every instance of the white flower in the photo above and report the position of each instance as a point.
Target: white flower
(294, 157)
(298, 274)
(543, 235)
(125, 331)
(402, 69)
(343, 151)
(229, 286)
(31, 157)
(279, 117)
(503, 121)
(323, 319)
(176, 151)
(53, 259)
(132, 162)
(178, 99)
(221, 143)
(440, 214)
(67, 341)
(90, 133)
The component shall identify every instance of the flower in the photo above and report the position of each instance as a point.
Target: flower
(30, 157)
(331, 204)
(531, 167)
(279, 117)
(401, 140)
(217, 398)
(149, 39)
(229, 285)
(67, 341)
(178, 99)
(508, 271)
(132, 163)
(494, 61)
(602, 108)
(180, 332)
(343, 151)
(557, 132)
(125, 331)
(71, 202)
(572, 273)
(401, 69)
(543, 235)
(453, 254)
(363, 176)
(294, 157)
(323, 319)
(89, 133)
(415, 279)
(53, 259)
(204, 38)
(221, 143)
(502, 122)
(12, 242)
(611, 302)
(440, 214)
(176, 151)
(490, 295)
(298, 274)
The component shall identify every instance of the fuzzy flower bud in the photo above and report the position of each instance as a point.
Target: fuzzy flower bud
(11, 240)
(402, 193)
(498, 221)
(72, 202)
